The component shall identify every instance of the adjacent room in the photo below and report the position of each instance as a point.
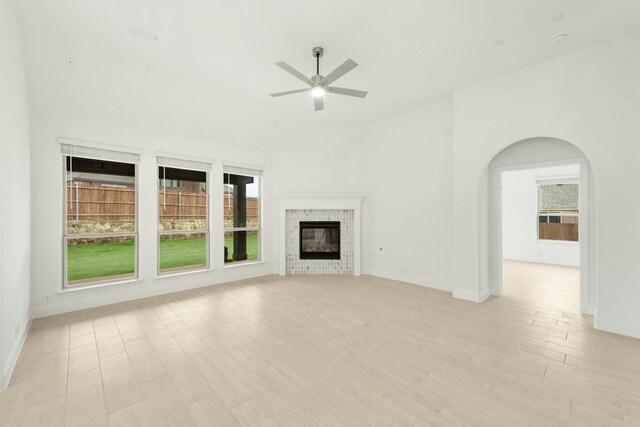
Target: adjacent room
(281, 213)
(540, 234)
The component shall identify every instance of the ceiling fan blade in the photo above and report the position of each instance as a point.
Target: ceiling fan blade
(343, 69)
(290, 92)
(319, 103)
(348, 92)
(289, 69)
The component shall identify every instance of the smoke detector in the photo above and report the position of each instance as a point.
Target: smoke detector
(142, 31)
(559, 37)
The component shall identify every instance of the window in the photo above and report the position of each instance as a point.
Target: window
(242, 211)
(100, 212)
(183, 215)
(173, 183)
(558, 213)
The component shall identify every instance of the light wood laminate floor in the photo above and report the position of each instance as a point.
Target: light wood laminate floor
(329, 350)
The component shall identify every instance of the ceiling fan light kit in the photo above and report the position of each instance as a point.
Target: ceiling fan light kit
(318, 91)
(319, 85)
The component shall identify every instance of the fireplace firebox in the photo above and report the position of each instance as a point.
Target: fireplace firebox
(319, 239)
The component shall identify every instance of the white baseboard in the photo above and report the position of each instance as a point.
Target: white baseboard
(10, 364)
(590, 310)
(542, 260)
(422, 281)
(90, 298)
(620, 328)
(472, 296)
(407, 278)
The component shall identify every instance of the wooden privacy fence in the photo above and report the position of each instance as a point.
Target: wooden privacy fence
(178, 205)
(555, 231)
(252, 207)
(88, 202)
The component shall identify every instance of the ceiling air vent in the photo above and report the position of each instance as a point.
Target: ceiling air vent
(142, 31)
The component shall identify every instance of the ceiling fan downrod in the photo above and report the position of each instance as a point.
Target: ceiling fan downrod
(317, 52)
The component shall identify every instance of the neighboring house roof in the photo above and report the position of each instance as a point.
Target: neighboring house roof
(558, 196)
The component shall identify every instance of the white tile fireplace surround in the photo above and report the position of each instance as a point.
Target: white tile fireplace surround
(295, 209)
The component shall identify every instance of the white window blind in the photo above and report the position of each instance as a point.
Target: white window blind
(184, 164)
(557, 181)
(235, 170)
(99, 153)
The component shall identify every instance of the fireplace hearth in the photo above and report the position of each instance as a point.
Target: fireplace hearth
(320, 240)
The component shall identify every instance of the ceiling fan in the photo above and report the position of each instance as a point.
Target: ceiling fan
(319, 85)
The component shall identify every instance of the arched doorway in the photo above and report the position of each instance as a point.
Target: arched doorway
(543, 153)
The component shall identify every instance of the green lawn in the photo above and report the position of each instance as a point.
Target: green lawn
(252, 246)
(181, 253)
(96, 261)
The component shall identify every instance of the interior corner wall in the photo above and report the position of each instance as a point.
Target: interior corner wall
(520, 220)
(402, 166)
(329, 162)
(15, 210)
(590, 98)
(47, 224)
(408, 207)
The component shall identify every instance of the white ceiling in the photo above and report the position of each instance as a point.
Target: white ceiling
(209, 74)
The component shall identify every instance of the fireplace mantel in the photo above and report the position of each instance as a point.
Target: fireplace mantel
(325, 202)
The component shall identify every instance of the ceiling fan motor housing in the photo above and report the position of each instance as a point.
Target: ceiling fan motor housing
(318, 51)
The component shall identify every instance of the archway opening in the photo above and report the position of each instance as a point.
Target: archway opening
(536, 245)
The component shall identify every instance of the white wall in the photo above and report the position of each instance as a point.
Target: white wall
(403, 168)
(408, 210)
(47, 224)
(590, 98)
(328, 162)
(14, 195)
(520, 221)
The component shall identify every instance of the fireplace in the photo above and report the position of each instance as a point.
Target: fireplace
(319, 239)
(294, 210)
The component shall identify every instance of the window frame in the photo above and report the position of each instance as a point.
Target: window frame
(560, 214)
(258, 229)
(66, 237)
(554, 212)
(206, 232)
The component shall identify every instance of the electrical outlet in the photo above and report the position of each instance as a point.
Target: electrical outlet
(405, 269)
(46, 299)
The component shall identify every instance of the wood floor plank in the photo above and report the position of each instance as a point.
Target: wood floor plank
(330, 351)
